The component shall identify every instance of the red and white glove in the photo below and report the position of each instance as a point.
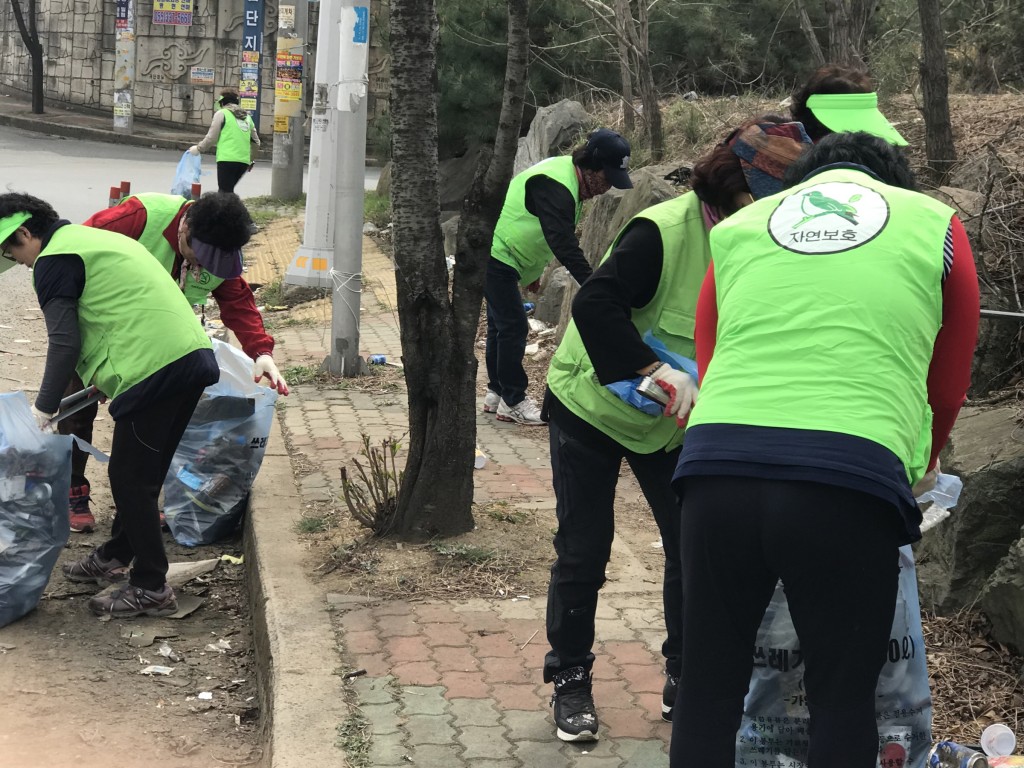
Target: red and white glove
(681, 388)
(265, 367)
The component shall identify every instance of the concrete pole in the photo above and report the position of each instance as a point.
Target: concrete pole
(124, 66)
(289, 101)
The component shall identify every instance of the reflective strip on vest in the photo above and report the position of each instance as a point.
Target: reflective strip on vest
(669, 316)
(829, 300)
(518, 239)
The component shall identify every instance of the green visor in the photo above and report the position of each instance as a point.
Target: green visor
(8, 226)
(841, 112)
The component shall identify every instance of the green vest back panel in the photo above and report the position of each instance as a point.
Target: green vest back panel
(160, 212)
(669, 316)
(518, 239)
(829, 300)
(132, 318)
(233, 142)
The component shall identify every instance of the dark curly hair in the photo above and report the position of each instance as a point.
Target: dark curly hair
(828, 79)
(43, 215)
(880, 157)
(718, 177)
(228, 96)
(220, 219)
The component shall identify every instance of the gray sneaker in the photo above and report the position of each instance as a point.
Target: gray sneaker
(526, 413)
(127, 601)
(93, 568)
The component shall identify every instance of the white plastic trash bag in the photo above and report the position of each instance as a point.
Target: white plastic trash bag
(775, 720)
(35, 475)
(207, 487)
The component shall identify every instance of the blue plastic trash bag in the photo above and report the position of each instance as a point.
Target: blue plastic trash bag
(775, 719)
(189, 170)
(35, 475)
(626, 389)
(206, 490)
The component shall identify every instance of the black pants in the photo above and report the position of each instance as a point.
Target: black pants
(507, 328)
(584, 476)
(836, 551)
(141, 451)
(228, 175)
(79, 424)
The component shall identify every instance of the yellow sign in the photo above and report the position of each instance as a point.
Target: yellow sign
(280, 124)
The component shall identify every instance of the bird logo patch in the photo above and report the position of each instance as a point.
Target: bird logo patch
(831, 217)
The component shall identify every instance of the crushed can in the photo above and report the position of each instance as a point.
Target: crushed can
(949, 754)
(528, 307)
(377, 360)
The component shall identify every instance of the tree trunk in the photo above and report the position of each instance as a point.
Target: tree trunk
(808, 29)
(848, 23)
(30, 36)
(623, 19)
(438, 334)
(648, 93)
(935, 89)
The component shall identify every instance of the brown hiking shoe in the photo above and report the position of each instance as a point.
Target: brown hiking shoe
(93, 568)
(127, 601)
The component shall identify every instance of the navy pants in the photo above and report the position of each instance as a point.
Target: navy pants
(584, 475)
(507, 329)
(837, 553)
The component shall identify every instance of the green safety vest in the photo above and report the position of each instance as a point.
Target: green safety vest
(518, 239)
(160, 212)
(132, 319)
(829, 300)
(233, 142)
(669, 316)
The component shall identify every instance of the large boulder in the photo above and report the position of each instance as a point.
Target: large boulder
(1002, 599)
(957, 559)
(553, 130)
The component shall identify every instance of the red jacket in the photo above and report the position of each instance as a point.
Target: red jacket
(234, 297)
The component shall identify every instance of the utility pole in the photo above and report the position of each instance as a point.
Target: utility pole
(289, 101)
(332, 251)
(124, 66)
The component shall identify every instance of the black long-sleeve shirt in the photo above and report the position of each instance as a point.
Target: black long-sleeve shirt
(555, 209)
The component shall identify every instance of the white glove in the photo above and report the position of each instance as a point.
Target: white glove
(265, 366)
(927, 483)
(682, 391)
(43, 420)
(194, 149)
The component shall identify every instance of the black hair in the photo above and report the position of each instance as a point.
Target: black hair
(43, 216)
(583, 157)
(220, 219)
(228, 96)
(827, 79)
(880, 157)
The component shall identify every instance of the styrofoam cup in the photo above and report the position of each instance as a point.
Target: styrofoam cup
(998, 739)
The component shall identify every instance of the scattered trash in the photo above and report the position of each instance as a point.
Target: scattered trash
(221, 646)
(531, 349)
(155, 669)
(205, 696)
(949, 754)
(520, 597)
(377, 360)
(167, 652)
(479, 459)
(659, 544)
(528, 307)
(538, 326)
(946, 492)
(4, 648)
(528, 639)
(232, 559)
(998, 740)
(354, 673)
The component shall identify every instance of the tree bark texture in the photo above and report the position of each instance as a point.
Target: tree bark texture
(848, 22)
(938, 131)
(648, 92)
(812, 38)
(30, 36)
(437, 489)
(623, 18)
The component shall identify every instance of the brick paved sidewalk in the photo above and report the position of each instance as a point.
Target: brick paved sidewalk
(458, 683)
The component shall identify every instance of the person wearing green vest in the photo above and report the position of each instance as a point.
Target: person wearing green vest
(648, 283)
(233, 133)
(114, 318)
(835, 333)
(199, 244)
(538, 223)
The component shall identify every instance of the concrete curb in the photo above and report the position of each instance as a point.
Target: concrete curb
(301, 698)
(85, 132)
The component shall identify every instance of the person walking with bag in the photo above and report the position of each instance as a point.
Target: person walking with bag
(538, 223)
(647, 284)
(835, 332)
(233, 133)
(114, 318)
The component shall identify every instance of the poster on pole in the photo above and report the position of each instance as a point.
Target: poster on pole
(288, 77)
(176, 13)
(252, 47)
(354, 59)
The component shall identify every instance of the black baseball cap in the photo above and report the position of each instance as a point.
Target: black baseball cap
(611, 151)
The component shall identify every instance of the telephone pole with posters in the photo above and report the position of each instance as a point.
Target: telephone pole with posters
(289, 101)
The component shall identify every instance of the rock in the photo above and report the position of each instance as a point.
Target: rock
(369, 228)
(553, 285)
(455, 177)
(384, 181)
(449, 232)
(690, 96)
(1002, 599)
(966, 202)
(553, 130)
(957, 558)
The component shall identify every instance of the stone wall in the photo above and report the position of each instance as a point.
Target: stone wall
(79, 47)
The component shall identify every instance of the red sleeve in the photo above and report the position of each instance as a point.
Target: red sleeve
(240, 316)
(127, 218)
(949, 374)
(706, 331)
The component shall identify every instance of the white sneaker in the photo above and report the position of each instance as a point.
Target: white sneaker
(491, 401)
(526, 413)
